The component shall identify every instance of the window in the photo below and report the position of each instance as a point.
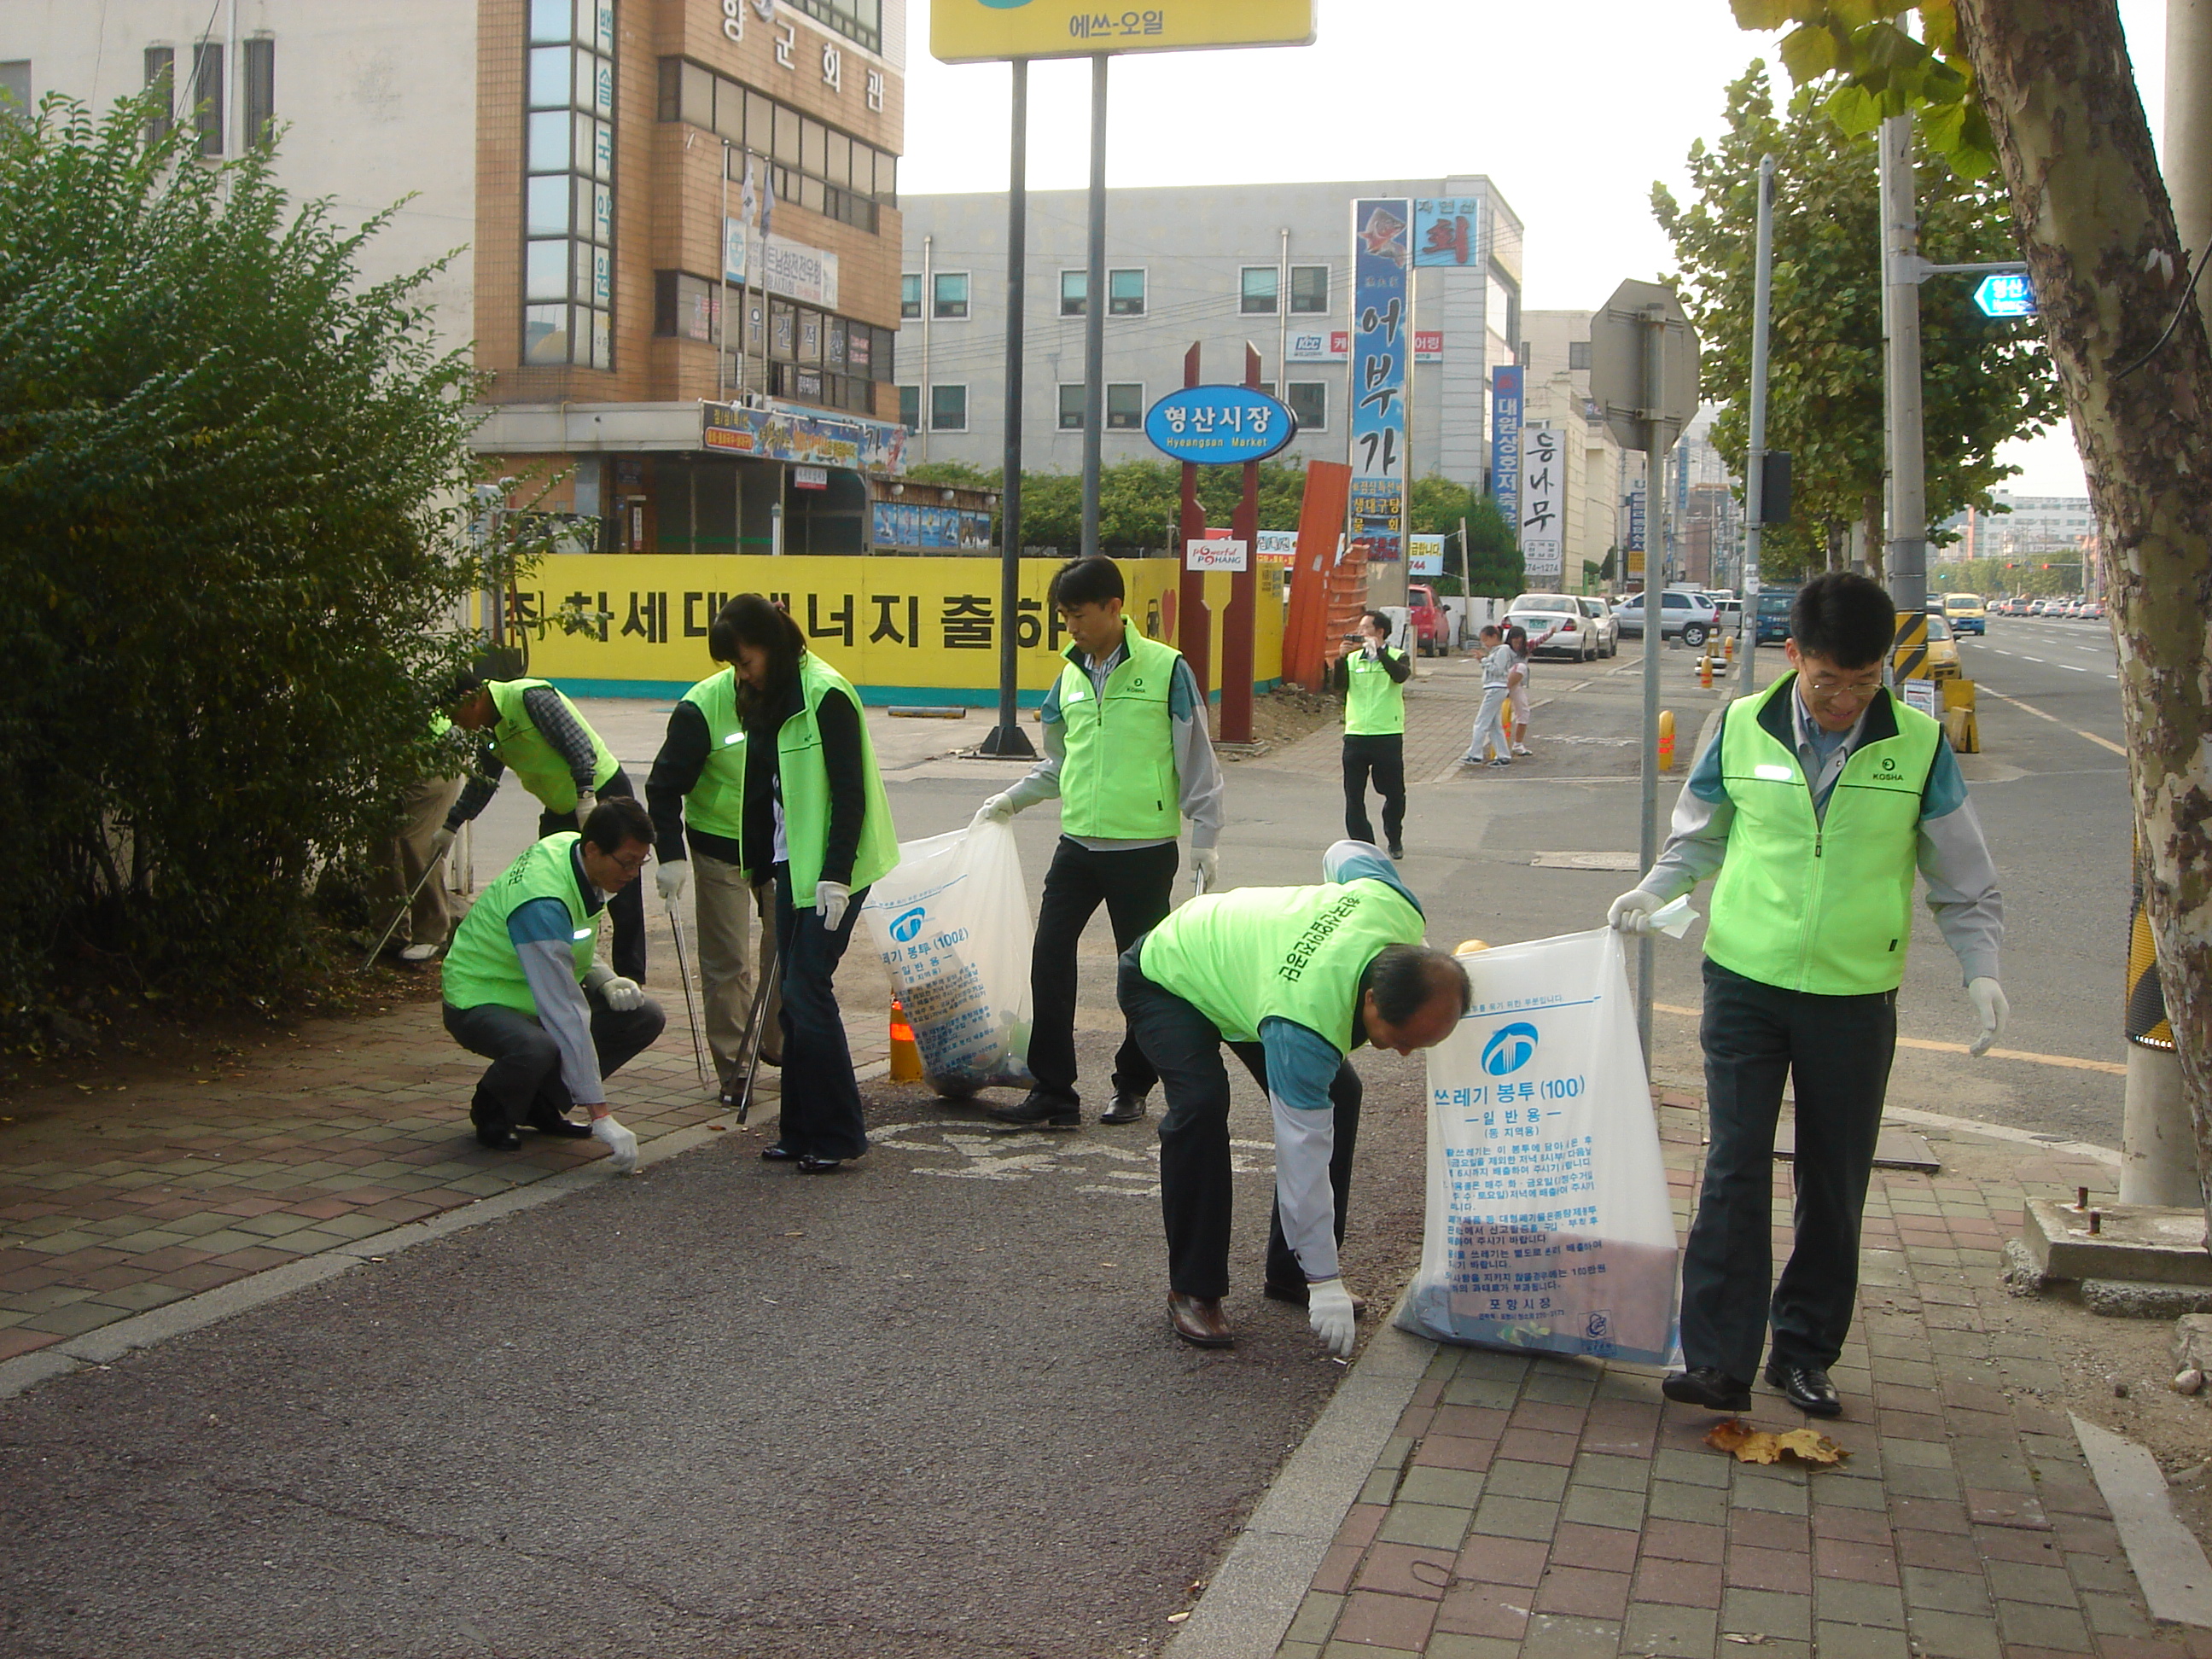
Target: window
(1125, 294)
(16, 83)
(910, 408)
(260, 91)
(948, 409)
(1308, 401)
(817, 167)
(1309, 290)
(1073, 286)
(910, 294)
(568, 202)
(1124, 406)
(207, 96)
(1577, 355)
(950, 298)
(858, 19)
(686, 306)
(161, 84)
(1257, 295)
(1071, 406)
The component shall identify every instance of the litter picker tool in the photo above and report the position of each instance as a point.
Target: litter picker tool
(398, 916)
(757, 1032)
(690, 998)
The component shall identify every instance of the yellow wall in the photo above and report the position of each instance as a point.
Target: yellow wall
(905, 630)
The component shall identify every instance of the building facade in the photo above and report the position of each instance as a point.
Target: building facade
(582, 168)
(1218, 266)
(2020, 525)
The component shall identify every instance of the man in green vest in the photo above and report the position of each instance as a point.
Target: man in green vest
(1371, 676)
(696, 794)
(522, 987)
(1815, 803)
(1292, 979)
(536, 730)
(1127, 755)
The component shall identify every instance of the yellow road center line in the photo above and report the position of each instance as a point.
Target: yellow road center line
(2071, 1062)
(2101, 743)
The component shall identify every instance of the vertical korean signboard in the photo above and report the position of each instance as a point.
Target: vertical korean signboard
(1381, 342)
(1543, 502)
(1505, 440)
(1636, 532)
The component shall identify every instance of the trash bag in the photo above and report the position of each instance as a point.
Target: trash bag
(1549, 1226)
(952, 925)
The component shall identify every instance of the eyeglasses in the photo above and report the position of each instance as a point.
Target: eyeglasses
(628, 865)
(1827, 685)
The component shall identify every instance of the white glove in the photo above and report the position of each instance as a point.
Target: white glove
(621, 1143)
(997, 809)
(586, 801)
(1374, 652)
(440, 839)
(1988, 999)
(1329, 1310)
(1632, 911)
(621, 994)
(1205, 867)
(830, 898)
(673, 879)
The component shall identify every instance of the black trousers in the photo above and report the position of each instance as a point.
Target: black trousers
(1196, 1193)
(524, 1081)
(1383, 755)
(1137, 887)
(627, 907)
(821, 1098)
(1835, 1050)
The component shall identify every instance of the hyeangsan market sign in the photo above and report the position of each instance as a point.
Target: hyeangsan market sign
(986, 31)
(1218, 425)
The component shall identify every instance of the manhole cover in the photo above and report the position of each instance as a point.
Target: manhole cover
(1627, 862)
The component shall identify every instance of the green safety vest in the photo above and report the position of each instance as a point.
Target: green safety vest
(1294, 953)
(1374, 703)
(806, 782)
(1819, 904)
(481, 966)
(717, 802)
(518, 742)
(1117, 776)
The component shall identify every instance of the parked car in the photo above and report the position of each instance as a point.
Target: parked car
(2093, 611)
(1429, 626)
(1684, 614)
(1559, 615)
(1602, 623)
(1730, 610)
(1772, 622)
(1965, 613)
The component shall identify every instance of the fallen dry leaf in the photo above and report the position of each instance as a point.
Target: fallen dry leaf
(1749, 1445)
(1728, 1434)
(1811, 1446)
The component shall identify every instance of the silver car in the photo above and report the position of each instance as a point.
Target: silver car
(1560, 617)
(1603, 622)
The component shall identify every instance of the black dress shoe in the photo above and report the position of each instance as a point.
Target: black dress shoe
(1808, 1387)
(811, 1165)
(1039, 1111)
(548, 1121)
(500, 1137)
(1198, 1321)
(779, 1154)
(1397, 852)
(1714, 1390)
(1125, 1109)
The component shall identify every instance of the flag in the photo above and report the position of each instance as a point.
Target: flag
(768, 199)
(748, 203)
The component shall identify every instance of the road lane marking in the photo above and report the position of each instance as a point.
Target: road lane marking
(2069, 1062)
(2101, 743)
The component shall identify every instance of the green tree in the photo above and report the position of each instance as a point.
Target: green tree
(234, 479)
(1983, 383)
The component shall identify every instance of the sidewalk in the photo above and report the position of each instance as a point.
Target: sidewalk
(1539, 1506)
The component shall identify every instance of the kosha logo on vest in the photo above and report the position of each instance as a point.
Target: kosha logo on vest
(1510, 1048)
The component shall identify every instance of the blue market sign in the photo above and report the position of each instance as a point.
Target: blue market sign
(2006, 294)
(1218, 425)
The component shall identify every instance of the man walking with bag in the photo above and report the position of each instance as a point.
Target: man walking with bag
(1816, 803)
(1128, 753)
(1372, 678)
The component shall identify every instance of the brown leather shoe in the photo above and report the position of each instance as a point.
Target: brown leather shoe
(1198, 1321)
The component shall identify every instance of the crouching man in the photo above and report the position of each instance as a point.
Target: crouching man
(522, 990)
(1292, 979)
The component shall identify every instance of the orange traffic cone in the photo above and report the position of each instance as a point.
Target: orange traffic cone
(906, 1057)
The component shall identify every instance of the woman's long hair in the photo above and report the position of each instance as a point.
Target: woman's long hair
(756, 620)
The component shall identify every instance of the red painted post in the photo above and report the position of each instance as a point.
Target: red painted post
(1194, 622)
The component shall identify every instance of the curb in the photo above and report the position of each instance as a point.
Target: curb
(112, 1341)
(1250, 1601)
(2168, 1562)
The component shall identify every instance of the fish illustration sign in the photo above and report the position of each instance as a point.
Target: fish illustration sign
(984, 31)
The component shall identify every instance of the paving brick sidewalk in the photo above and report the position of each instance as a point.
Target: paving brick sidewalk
(110, 1207)
(1534, 1506)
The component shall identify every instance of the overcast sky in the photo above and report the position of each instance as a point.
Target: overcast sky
(1574, 107)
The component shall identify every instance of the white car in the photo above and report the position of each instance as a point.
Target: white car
(1687, 614)
(1602, 621)
(1559, 615)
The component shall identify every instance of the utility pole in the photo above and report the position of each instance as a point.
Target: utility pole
(1754, 467)
(1094, 312)
(1006, 740)
(1906, 562)
(1657, 441)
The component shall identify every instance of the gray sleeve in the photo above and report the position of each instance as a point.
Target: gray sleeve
(1041, 781)
(1962, 888)
(560, 727)
(1301, 1066)
(551, 968)
(1196, 768)
(1697, 839)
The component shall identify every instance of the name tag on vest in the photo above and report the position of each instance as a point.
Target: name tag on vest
(1774, 773)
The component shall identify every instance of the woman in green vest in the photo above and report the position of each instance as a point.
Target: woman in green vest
(816, 821)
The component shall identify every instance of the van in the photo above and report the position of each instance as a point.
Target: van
(1966, 613)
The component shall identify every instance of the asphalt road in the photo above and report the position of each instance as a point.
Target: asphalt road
(929, 1406)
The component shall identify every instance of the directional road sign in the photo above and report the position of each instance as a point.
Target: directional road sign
(2006, 294)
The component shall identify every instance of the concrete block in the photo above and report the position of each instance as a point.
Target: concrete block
(2142, 1243)
(2132, 1298)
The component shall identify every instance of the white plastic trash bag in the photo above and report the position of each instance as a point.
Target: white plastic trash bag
(1549, 1226)
(952, 924)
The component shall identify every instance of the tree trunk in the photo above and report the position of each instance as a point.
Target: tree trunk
(2098, 233)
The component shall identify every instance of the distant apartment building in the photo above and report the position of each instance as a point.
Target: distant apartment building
(1218, 266)
(579, 163)
(2020, 525)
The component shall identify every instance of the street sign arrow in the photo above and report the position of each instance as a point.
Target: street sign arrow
(2006, 294)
